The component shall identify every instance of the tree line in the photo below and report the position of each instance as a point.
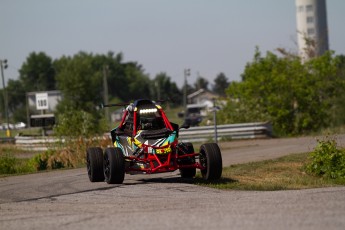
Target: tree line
(80, 79)
(296, 96)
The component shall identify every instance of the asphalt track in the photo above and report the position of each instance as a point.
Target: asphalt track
(67, 200)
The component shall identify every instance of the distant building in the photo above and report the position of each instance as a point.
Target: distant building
(202, 97)
(53, 98)
(41, 107)
(199, 104)
(311, 28)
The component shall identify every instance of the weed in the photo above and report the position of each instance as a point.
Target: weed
(327, 160)
(7, 163)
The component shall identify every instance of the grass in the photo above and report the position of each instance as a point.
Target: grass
(14, 161)
(285, 173)
(29, 131)
(10, 149)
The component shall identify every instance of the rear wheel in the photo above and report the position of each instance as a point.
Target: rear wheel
(187, 172)
(114, 166)
(94, 164)
(211, 158)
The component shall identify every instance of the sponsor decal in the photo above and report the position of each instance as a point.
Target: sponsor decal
(163, 150)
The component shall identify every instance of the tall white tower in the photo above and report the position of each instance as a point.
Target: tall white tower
(312, 30)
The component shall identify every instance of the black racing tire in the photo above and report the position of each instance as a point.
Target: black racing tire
(211, 158)
(188, 172)
(114, 166)
(94, 164)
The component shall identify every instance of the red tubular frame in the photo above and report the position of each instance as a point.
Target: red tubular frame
(123, 119)
(155, 165)
(166, 121)
(151, 159)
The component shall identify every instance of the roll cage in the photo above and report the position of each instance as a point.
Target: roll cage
(137, 114)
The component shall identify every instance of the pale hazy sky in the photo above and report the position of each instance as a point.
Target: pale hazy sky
(207, 36)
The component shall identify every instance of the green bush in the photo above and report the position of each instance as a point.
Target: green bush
(11, 165)
(47, 160)
(39, 161)
(327, 160)
(7, 164)
(70, 155)
(78, 123)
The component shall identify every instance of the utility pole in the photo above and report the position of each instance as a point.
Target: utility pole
(186, 74)
(158, 90)
(215, 120)
(3, 64)
(105, 92)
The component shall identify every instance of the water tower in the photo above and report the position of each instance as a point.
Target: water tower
(312, 30)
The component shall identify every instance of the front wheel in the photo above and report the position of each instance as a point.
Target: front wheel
(211, 159)
(94, 164)
(114, 166)
(187, 172)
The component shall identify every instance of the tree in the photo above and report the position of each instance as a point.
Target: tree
(138, 83)
(38, 73)
(339, 103)
(296, 97)
(80, 80)
(2, 105)
(164, 89)
(327, 86)
(220, 84)
(201, 83)
(126, 81)
(116, 74)
(16, 100)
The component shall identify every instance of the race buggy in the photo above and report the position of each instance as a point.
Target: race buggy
(147, 142)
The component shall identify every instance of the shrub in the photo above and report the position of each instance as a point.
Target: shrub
(78, 123)
(51, 159)
(327, 160)
(7, 164)
(11, 165)
(70, 155)
(74, 123)
(40, 161)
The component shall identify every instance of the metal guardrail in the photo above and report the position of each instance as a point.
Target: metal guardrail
(227, 132)
(7, 140)
(193, 134)
(35, 143)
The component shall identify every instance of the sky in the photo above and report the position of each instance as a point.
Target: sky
(206, 36)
